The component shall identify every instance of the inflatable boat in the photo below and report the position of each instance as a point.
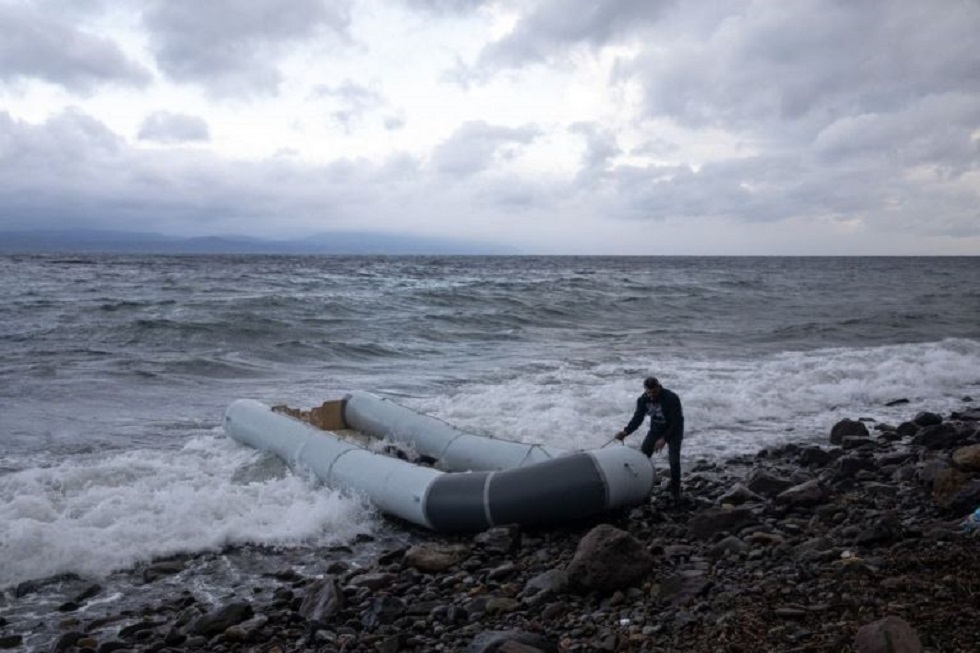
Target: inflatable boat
(476, 482)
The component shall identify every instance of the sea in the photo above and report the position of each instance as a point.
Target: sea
(116, 370)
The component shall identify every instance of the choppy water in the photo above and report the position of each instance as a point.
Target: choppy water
(115, 372)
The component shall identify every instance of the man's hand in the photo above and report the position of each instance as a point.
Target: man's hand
(659, 445)
(621, 436)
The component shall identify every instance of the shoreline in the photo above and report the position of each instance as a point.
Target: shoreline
(793, 549)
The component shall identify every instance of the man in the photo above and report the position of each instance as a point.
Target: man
(666, 427)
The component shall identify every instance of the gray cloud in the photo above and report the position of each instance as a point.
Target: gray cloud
(166, 127)
(853, 110)
(551, 27)
(600, 146)
(43, 46)
(354, 101)
(231, 47)
(476, 145)
(72, 172)
(446, 7)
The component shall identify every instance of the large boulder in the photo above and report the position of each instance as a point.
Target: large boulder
(928, 419)
(847, 427)
(608, 559)
(938, 436)
(956, 491)
(888, 635)
(968, 458)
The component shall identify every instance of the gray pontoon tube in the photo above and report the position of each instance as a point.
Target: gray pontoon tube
(570, 487)
(455, 450)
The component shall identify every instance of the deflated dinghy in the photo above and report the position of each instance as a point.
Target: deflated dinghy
(486, 482)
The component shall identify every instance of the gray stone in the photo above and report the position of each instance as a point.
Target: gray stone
(817, 457)
(372, 581)
(217, 621)
(927, 419)
(709, 523)
(161, 569)
(888, 635)
(608, 559)
(811, 493)
(434, 558)
(501, 539)
(729, 544)
(766, 483)
(937, 436)
(321, 601)
(847, 427)
(740, 494)
(492, 641)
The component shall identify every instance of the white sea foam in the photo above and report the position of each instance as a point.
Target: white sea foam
(731, 406)
(97, 514)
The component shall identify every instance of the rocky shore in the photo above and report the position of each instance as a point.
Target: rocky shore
(859, 544)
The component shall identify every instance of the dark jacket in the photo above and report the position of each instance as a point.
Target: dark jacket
(670, 404)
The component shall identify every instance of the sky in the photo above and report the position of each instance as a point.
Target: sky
(634, 127)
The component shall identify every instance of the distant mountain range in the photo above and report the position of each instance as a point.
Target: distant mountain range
(120, 242)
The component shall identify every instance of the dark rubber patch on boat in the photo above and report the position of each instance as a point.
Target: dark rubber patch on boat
(558, 490)
(455, 502)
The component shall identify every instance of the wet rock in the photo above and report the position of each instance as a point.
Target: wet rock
(907, 429)
(321, 601)
(10, 641)
(847, 427)
(817, 457)
(608, 559)
(67, 641)
(162, 569)
(851, 442)
(888, 635)
(937, 436)
(897, 402)
(969, 415)
(927, 419)
(217, 621)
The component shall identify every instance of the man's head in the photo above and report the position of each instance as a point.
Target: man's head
(652, 387)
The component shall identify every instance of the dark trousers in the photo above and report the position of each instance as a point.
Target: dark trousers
(673, 457)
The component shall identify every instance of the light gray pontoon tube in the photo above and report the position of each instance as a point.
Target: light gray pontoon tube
(455, 450)
(571, 487)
